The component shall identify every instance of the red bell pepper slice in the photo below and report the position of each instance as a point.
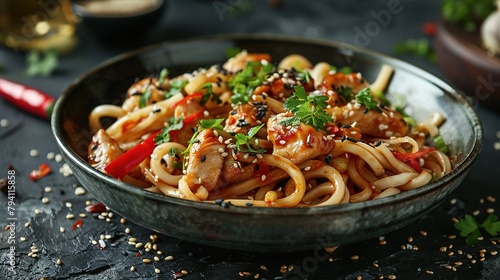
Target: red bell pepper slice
(412, 158)
(186, 99)
(42, 171)
(123, 164)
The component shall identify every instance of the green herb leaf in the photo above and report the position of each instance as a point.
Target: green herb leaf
(469, 228)
(144, 98)
(212, 123)
(346, 92)
(163, 76)
(306, 109)
(242, 140)
(243, 83)
(41, 64)
(344, 69)
(365, 98)
(172, 124)
(176, 86)
(232, 52)
(209, 94)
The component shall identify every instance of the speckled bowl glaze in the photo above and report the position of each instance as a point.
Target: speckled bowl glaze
(251, 228)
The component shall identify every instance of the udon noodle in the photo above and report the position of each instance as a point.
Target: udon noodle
(250, 133)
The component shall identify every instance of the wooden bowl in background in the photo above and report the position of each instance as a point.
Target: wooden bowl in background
(468, 65)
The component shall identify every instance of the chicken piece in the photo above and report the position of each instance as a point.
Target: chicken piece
(205, 161)
(246, 116)
(384, 123)
(334, 84)
(281, 84)
(102, 150)
(139, 88)
(298, 143)
(239, 61)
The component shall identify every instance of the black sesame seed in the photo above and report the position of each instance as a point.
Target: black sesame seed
(378, 110)
(219, 79)
(343, 138)
(219, 201)
(328, 159)
(177, 156)
(94, 146)
(256, 168)
(381, 105)
(288, 86)
(233, 112)
(260, 115)
(163, 162)
(196, 141)
(203, 158)
(378, 143)
(157, 110)
(352, 139)
(248, 204)
(266, 83)
(346, 126)
(365, 111)
(242, 124)
(232, 133)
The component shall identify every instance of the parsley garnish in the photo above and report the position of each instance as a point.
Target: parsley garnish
(164, 136)
(175, 87)
(41, 64)
(232, 52)
(307, 109)
(346, 92)
(209, 94)
(247, 80)
(144, 98)
(366, 99)
(469, 228)
(242, 140)
(343, 70)
(303, 74)
(163, 75)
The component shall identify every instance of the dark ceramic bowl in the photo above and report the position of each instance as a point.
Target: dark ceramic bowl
(467, 64)
(252, 228)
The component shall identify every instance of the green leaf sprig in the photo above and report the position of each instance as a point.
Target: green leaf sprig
(365, 98)
(41, 64)
(243, 83)
(176, 86)
(243, 141)
(470, 228)
(172, 124)
(209, 95)
(307, 109)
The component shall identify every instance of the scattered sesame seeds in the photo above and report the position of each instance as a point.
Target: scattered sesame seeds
(79, 191)
(139, 245)
(94, 242)
(34, 153)
(169, 258)
(127, 230)
(146, 260)
(443, 249)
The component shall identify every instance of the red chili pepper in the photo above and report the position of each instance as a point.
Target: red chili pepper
(123, 164)
(186, 99)
(261, 169)
(77, 224)
(412, 158)
(28, 99)
(42, 171)
(429, 29)
(96, 208)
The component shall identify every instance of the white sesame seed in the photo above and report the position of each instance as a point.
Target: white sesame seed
(50, 156)
(34, 153)
(80, 191)
(58, 157)
(47, 189)
(122, 220)
(61, 229)
(259, 156)
(496, 146)
(307, 168)
(157, 259)
(282, 142)
(169, 258)
(108, 236)
(45, 200)
(82, 215)
(69, 205)
(4, 122)
(58, 262)
(37, 211)
(70, 216)
(132, 268)
(22, 238)
(263, 177)
(224, 154)
(127, 230)
(157, 271)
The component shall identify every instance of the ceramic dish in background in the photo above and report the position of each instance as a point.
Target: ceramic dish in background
(118, 20)
(253, 228)
(467, 64)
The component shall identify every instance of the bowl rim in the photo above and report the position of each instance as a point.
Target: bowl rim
(459, 97)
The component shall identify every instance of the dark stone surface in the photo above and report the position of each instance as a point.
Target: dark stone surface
(83, 260)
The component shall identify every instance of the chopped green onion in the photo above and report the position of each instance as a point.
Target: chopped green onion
(441, 144)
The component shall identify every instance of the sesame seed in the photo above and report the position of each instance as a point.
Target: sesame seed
(475, 213)
(108, 236)
(460, 252)
(392, 276)
(429, 272)
(382, 242)
(58, 262)
(58, 158)
(455, 220)
(70, 216)
(139, 245)
(453, 201)
(127, 230)
(61, 229)
(45, 200)
(156, 258)
(490, 198)
(263, 177)
(22, 238)
(82, 215)
(354, 257)
(132, 268)
(184, 272)
(132, 243)
(122, 220)
(34, 153)
(80, 191)
(259, 156)
(473, 261)
(146, 261)
(224, 154)
(410, 239)
(490, 210)
(47, 189)
(37, 211)
(443, 249)
(282, 142)
(4, 122)
(424, 233)
(69, 205)
(451, 254)
(452, 236)
(50, 156)
(169, 258)
(94, 242)
(493, 253)
(307, 168)
(157, 271)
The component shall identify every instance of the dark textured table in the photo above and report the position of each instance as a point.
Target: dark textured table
(430, 248)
